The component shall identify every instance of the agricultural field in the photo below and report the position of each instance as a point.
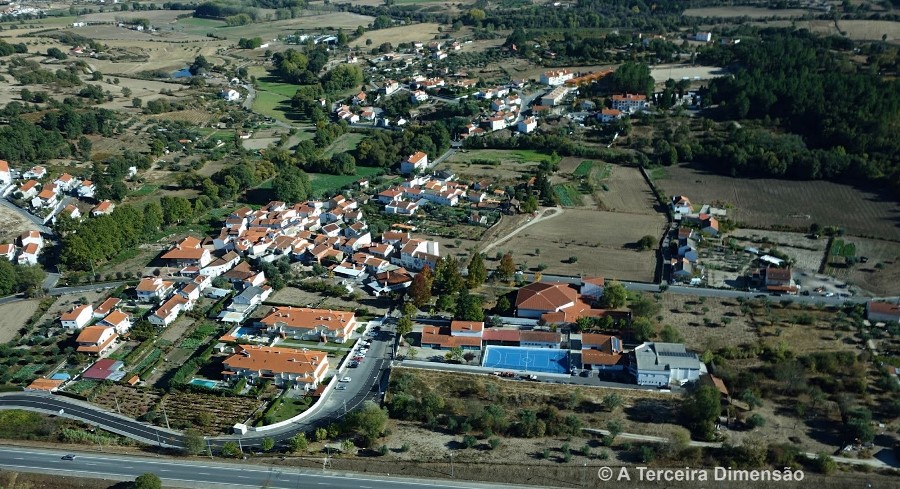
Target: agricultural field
(603, 243)
(749, 12)
(326, 184)
(623, 189)
(396, 35)
(344, 143)
(154, 16)
(129, 401)
(661, 73)
(806, 253)
(767, 203)
(292, 296)
(12, 317)
(310, 21)
(186, 410)
(870, 30)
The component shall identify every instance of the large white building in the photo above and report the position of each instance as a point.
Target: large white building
(662, 364)
(556, 77)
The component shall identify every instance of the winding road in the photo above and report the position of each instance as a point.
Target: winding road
(368, 384)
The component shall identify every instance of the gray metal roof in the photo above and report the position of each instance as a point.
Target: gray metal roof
(665, 356)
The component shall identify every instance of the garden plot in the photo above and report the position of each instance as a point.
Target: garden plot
(212, 415)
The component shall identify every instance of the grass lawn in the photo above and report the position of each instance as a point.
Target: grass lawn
(503, 155)
(145, 190)
(323, 183)
(271, 104)
(658, 174)
(194, 25)
(347, 142)
(288, 408)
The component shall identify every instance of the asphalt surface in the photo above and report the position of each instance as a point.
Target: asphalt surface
(368, 382)
(200, 473)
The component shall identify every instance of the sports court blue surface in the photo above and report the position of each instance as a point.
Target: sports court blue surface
(530, 359)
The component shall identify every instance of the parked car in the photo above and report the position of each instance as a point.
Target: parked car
(341, 387)
(345, 379)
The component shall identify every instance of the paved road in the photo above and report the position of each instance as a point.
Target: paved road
(721, 293)
(368, 383)
(204, 474)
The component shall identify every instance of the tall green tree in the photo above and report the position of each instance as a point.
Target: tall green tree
(468, 307)
(193, 442)
(447, 279)
(614, 296)
(292, 185)
(420, 289)
(700, 410)
(477, 271)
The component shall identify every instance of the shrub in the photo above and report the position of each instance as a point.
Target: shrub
(494, 443)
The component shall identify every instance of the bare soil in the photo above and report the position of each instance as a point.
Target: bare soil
(13, 317)
(395, 35)
(13, 225)
(603, 242)
(750, 12)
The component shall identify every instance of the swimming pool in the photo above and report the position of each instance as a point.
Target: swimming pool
(530, 359)
(245, 331)
(209, 384)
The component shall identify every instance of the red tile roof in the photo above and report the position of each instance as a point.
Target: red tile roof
(545, 296)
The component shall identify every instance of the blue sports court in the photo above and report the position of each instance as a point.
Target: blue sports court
(530, 359)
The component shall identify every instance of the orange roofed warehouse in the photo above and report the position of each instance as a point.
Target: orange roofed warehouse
(303, 323)
(287, 367)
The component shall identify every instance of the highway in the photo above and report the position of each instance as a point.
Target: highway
(203, 474)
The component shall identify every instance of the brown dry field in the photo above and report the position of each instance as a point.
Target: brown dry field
(153, 16)
(395, 35)
(293, 296)
(762, 203)
(628, 192)
(883, 282)
(507, 171)
(793, 244)
(13, 225)
(600, 240)
(870, 30)
(751, 12)
(685, 313)
(13, 317)
(21, 480)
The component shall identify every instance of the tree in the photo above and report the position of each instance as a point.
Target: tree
(368, 422)
(615, 428)
(447, 279)
(858, 426)
(755, 421)
(455, 353)
(420, 289)
(321, 434)
(646, 243)
(477, 271)
(469, 441)
(503, 306)
(267, 444)
(298, 443)
(507, 268)
(147, 481)
(468, 307)
(126, 92)
(614, 296)
(468, 356)
(404, 326)
(613, 401)
(231, 449)
(193, 442)
(347, 447)
(292, 185)
(411, 353)
(137, 102)
(700, 411)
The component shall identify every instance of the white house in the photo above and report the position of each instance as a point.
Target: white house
(66, 182)
(230, 95)
(556, 77)
(5, 175)
(96, 340)
(609, 115)
(288, 367)
(36, 172)
(117, 320)
(169, 311)
(417, 253)
(86, 189)
(29, 255)
(8, 251)
(555, 97)
(402, 208)
(77, 317)
(151, 289)
(527, 125)
(416, 162)
(28, 190)
(681, 205)
(418, 96)
(629, 102)
(390, 86)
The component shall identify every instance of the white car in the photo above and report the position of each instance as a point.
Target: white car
(345, 379)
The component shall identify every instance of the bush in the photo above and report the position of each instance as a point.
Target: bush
(469, 441)
(383, 450)
(494, 443)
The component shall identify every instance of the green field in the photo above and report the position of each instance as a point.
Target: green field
(271, 105)
(584, 169)
(503, 155)
(325, 184)
(568, 195)
(346, 142)
(145, 190)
